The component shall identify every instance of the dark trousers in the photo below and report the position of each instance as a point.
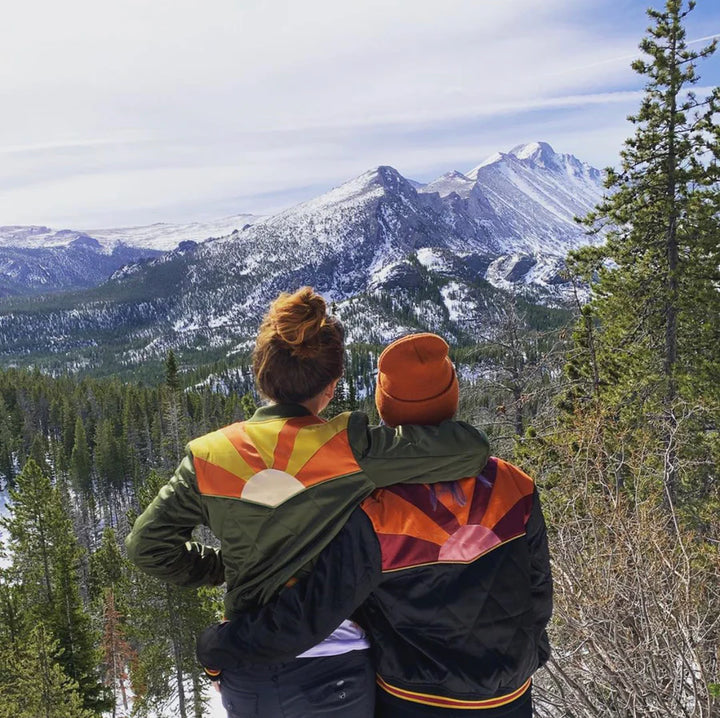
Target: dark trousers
(390, 707)
(342, 686)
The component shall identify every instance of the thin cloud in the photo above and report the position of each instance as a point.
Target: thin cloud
(165, 111)
(72, 144)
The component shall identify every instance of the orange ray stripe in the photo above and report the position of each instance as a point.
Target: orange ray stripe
(391, 514)
(511, 485)
(286, 439)
(215, 481)
(241, 441)
(334, 458)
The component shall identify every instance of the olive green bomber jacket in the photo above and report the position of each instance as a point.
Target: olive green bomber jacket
(277, 488)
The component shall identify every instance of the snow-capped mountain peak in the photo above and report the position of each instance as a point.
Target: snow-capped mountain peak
(539, 155)
(535, 151)
(453, 181)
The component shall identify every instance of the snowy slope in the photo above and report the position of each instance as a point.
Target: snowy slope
(164, 237)
(160, 236)
(82, 263)
(536, 193)
(450, 182)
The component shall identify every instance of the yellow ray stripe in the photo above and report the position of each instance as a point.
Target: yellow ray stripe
(216, 448)
(310, 439)
(265, 437)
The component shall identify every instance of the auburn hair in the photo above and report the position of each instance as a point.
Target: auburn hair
(299, 349)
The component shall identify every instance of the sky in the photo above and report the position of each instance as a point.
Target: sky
(125, 113)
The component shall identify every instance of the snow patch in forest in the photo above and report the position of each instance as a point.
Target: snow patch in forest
(432, 258)
(451, 294)
(213, 708)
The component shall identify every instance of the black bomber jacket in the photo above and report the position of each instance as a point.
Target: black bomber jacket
(451, 581)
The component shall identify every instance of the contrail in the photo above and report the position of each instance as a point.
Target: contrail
(635, 56)
(703, 39)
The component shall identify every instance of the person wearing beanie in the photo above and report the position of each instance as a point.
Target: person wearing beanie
(416, 381)
(450, 580)
(275, 490)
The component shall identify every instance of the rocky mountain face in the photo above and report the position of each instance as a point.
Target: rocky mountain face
(82, 262)
(392, 255)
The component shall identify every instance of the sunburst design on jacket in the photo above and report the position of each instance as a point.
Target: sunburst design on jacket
(419, 524)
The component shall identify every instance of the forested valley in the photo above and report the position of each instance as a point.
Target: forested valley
(615, 416)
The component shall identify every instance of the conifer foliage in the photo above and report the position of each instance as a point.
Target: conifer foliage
(652, 329)
(629, 475)
(109, 635)
(44, 573)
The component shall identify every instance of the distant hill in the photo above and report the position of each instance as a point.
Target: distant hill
(36, 259)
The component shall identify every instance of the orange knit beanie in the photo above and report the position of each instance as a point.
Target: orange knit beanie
(416, 382)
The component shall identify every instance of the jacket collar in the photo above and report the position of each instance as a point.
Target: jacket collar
(279, 411)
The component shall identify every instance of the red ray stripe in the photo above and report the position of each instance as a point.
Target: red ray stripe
(286, 439)
(419, 495)
(406, 551)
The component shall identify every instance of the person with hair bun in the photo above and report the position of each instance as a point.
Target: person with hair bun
(276, 489)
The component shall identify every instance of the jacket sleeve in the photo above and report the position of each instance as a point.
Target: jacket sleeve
(304, 614)
(417, 454)
(541, 583)
(160, 542)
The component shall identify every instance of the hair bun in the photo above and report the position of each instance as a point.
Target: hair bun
(297, 319)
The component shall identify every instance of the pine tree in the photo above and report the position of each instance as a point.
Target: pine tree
(117, 654)
(109, 591)
(7, 445)
(45, 564)
(80, 461)
(174, 417)
(33, 683)
(248, 405)
(172, 380)
(109, 569)
(108, 467)
(655, 300)
(164, 621)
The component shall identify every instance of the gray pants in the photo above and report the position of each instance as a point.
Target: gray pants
(342, 686)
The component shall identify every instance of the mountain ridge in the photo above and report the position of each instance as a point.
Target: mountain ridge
(391, 255)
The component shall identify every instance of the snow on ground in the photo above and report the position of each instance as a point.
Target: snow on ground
(450, 182)
(354, 190)
(432, 258)
(382, 274)
(215, 708)
(167, 236)
(452, 294)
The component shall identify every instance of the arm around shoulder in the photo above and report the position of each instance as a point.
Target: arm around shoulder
(417, 454)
